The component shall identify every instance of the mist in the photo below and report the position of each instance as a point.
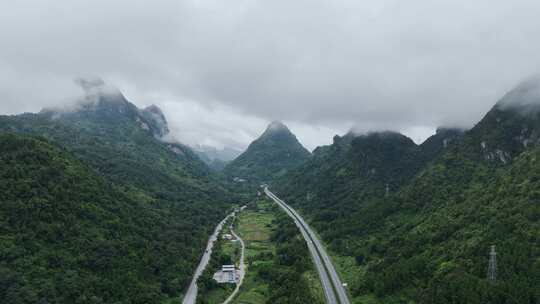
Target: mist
(525, 96)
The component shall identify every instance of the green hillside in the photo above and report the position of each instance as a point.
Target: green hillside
(112, 136)
(270, 156)
(70, 236)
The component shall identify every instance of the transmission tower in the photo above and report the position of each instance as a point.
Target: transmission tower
(492, 268)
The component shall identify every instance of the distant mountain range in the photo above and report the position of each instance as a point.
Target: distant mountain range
(271, 155)
(215, 158)
(418, 220)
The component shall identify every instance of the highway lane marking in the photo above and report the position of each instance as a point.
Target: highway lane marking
(336, 284)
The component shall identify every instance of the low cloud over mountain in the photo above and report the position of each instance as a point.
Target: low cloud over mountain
(376, 65)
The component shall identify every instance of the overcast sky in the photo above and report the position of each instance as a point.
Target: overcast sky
(221, 70)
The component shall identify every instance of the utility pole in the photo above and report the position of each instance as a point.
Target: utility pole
(492, 268)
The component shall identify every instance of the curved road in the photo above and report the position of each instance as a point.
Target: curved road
(333, 288)
(242, 269)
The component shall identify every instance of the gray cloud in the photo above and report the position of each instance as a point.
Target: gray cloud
(321, 66)
(525, 96)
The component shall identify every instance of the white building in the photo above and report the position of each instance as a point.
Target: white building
(227, 274)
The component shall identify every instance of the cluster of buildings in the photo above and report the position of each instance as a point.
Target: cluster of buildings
(227, 274)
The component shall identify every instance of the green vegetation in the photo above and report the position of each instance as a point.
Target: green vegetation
(70, 236)
(280, 269)
(426, 239)
(131, 232)
(224, 252)
(255, 227)
(271, 155)
(94, 208)
(111, 139)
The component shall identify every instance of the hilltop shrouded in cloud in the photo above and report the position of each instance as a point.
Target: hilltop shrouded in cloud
(525, 96)
(90, 84)
(375, 65)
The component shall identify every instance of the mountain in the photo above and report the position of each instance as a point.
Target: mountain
(510, 127)
(269, 156)
(173, 194)
(355, 168)
(105, 108)
(119, 140)
(158, 122)
(427, 239)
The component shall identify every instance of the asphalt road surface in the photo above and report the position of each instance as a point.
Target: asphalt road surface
(191, 294)
(332, 285)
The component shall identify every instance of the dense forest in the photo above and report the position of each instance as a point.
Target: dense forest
(287, 284)
(70, 236)
(419, 220)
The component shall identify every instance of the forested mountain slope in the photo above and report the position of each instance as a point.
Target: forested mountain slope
(271, 155)
(340, 177)
(437, 143)
(432, 238)
(119, 140)
(428, 239)
(70, 236)
(177, 197)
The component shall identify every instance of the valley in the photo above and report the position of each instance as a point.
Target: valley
(98, 205)
(270, 259)
(270, 152)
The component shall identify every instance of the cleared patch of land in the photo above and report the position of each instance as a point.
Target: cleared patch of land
(279, 265)
(255, 226)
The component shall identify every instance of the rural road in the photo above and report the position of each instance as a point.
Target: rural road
(332, 285)
(242, 270)
(191, 294)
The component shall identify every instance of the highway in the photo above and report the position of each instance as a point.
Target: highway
(332, 285)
